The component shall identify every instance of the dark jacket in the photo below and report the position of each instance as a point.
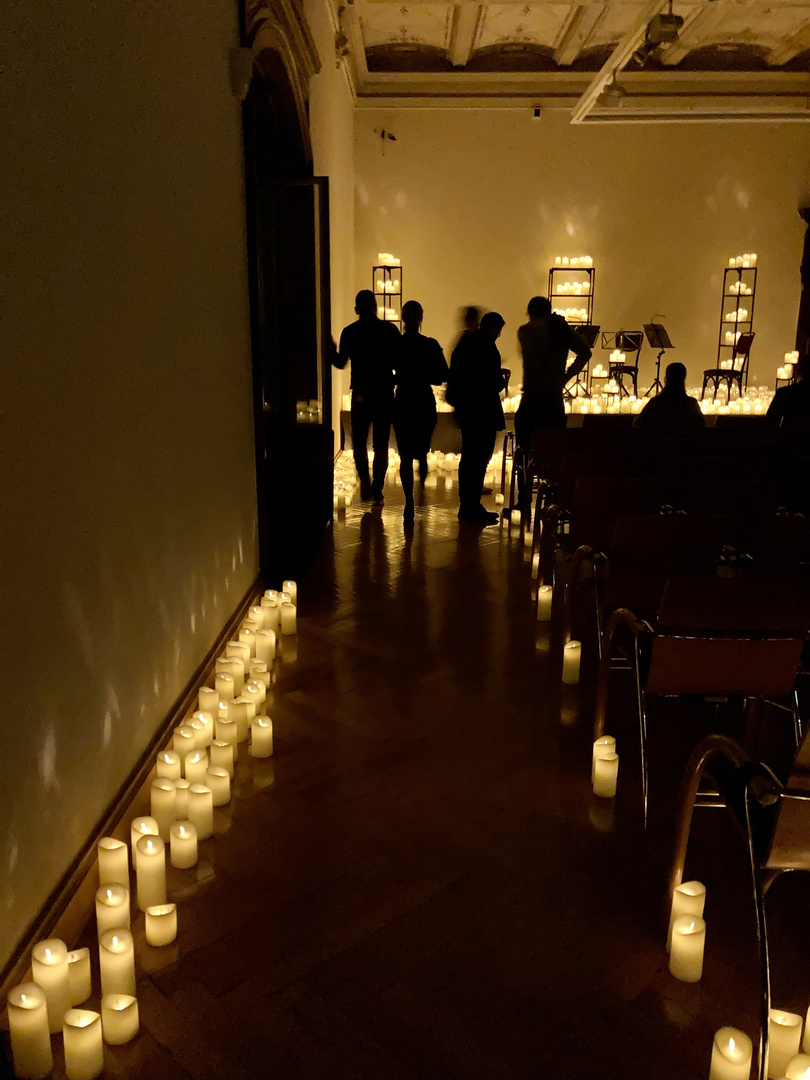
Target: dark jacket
(545, 343)
(371, 344)
(475, 381)
(672, 412)
(790, 402)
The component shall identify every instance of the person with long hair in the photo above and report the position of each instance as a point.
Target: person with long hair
(673, 411)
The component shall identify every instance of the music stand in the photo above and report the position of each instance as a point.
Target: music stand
(658, 338)
(590, 333)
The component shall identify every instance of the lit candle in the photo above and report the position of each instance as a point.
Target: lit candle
(686, 952)
(79, 975)
(222, 755)
(784, 1036)
(183, 845)
(753, 258)
(732, 261)
(112, 908)
(688, 898)
(30, 1038)
(249, 638)
(84, 1050)
(195, 765)
(201, 810)
(239, 650)
(181, 787)
(219, 781)
(208, 699)
(257, 614)
(239, 710)
(798, 1068)
(605, 745)
(731, 1055)
(571, 659)
(141, 826)
(168, 764)
(207, 720)
(261, 737)
(271, 610)
(605, 775)
(266, 646)
(291, 589)
(235, 667)
(184, 739)
(544, 598)
(288, 618)
(49, 970)
(119, 1018)
(256, 692)
(198, 727)
(259, 672)
(161, 924)
(116, 958)
(150, 870)
(227, 731)
(225, 686)
(113, 861)
(163, 802)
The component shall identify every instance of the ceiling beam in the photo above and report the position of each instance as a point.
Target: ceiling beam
(466, 23)
(795, 44)
(357, 48)
(576, 32)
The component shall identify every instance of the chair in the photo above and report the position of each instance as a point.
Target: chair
(629, 342)
(736, 373)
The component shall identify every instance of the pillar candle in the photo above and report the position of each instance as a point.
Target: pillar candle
(291, 589)
(227, 731)
(261, 737)
(271, 594)
(798, 1068)
(151, 871)
(225, 686)
(183, 845)
(571, 657)
(515, 517)
(248, 637)
(30, 1037)
(806, 1037)
(255, 692)
(49, 970)
(119, 1018)
(163, 803)
(256, 613)
(116, 958)
(161, 924)
(219, 781)
(141, 826)
(605, 745)
(79, 978)
(239, 712)
(289, 618)
(239, 650)
(249, 623)
(168, 764)
(207, 720)
(198, 727)
(605, 775)
(208, 699)
(688, 898)
(259, 673)
(201, 810)
(113, 861)
(195, 765)
(731, 1055)
(112, 908)
(686, 951)
(183, 740)
(784, 1036)
(84, 1050)
(222, 755)
(266, 645)
(270, 614)
(233, 666)
(544, 598)
(181, 787)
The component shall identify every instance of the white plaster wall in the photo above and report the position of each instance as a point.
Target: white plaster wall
(128, 489)
(477, 203)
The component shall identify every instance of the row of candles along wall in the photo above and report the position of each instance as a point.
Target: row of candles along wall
(188, 785)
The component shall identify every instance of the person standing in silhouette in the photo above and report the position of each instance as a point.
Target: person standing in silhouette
(673, 411)
(792, 402)
(371, 345)
(419, 365)
(473, 389)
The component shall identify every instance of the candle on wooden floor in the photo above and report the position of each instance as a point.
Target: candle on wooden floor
(227, 731)
(235, 667)
(535, 566)
(686, 951)
(222, 755)
(184, 740)
(116, 961)
(141, 826)
(79, 976)
(49, 970)
(239, 710)
(195, 765)
(731, 1055)
(289, 618)
(151, 870)
(161, 924)
(248, 637)
(168, 764)
(219, 781)
(198, 727)
(208, 699)
(544, 597)
(84, 1050)
(183, 845)
(261, 737)
(499, 500)
(688, 898)
(30, 1036)
(271, 611)
(207, 720)
(181, 787)
(240, 650)
(605, 776)
(259, 672)
(112, 907)
(119, 1018)
(572, 652)
(201, 810)
(113, 861)
(225, 686)
(604, 745)
(798, 1068)
(256, 613)
(784, 1036)
(266, 645)
(291, 589)
(256, 694)
(163, 802)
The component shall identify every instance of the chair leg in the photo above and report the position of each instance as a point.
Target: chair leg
(797, 718)
(642, 730)
(762, 942)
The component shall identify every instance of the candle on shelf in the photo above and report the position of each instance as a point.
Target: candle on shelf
(208, 699)
(181, 787)
(784, 1036)
(225, 686)
(544, 597)
(686, 950)
(798, 1068)
(84, 1050)
(49, 970)
(219, 781)
(222, 755)
(150, 870)
(113, 861)
(195, 765)
(605, 745)
(266, 645)
(183, 740)
(119, 1018)
(227, 731)
(141, 826)
(79, 976)
(163, 802)
(161, 924)
(239, 712)
(605, 775)
(116, 958)
(572, 652)
(30, 1037)
(207, 720)
(288, 618)
(688, 898)
(168, 764)
(112, 908)
(731, 1055)
(183, 845)
(261, 737)
(201, 810)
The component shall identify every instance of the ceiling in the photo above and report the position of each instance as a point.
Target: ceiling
(733, 59)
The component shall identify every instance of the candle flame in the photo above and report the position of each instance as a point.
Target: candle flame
(115, 941)
(732, 1045)
(22, 998)
(47, 954)
(109, 894)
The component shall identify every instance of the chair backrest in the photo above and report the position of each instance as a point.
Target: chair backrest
(742, 346)
(790, 839)
(671, 538)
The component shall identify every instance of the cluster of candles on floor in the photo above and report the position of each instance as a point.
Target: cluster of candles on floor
(441, 468)
(192, 777)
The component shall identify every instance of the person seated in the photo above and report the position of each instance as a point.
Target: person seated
(673, 411)
(792, 402)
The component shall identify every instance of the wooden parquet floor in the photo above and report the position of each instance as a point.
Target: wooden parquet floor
(420, 883)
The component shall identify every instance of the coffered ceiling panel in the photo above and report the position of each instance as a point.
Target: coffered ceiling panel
(400, 24)
(539, 24)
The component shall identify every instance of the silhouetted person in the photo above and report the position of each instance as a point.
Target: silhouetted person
(473, 389)
(792, 402)
(371, 345)
(672, 412)
(419, 364)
